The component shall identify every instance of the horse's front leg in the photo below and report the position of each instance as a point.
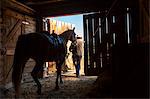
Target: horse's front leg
(35, 77)
(61, 82)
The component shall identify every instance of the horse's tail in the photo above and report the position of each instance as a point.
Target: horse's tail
(17, 64)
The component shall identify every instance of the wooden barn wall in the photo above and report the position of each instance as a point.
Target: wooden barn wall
(131, 62)
(1, 57)
(14, 23)
(144, 21)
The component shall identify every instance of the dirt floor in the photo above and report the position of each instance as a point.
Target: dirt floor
(71, 88)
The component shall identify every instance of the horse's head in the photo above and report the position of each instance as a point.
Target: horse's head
(72, 36)
(69, 35)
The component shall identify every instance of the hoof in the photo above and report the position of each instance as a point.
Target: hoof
(57, 88)
(77, 76)
(38, 92)
(16, 97)
(61, 82)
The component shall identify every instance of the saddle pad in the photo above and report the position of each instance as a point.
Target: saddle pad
(56, 41)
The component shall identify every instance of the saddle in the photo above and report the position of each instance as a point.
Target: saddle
(54, 39)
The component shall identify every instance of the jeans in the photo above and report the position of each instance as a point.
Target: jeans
(76, 61)
(77, 69)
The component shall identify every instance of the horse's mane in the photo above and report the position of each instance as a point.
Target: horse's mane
(61, 34)
(64, 33)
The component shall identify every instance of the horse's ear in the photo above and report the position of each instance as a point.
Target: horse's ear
(73, 28)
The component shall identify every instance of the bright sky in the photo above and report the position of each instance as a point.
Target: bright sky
(73, 19)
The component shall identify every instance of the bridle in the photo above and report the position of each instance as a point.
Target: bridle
(70, 37)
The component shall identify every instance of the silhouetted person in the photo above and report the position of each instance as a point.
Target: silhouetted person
(76, 49)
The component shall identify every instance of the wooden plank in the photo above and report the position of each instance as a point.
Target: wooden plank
(103, 38)
(3, 26)
(97, 42)
(110, 39)
(90, 33)
(10, 51)
(144, 21)
(85, 45)
(96, 36)
(29, 18)
(12, 32)
(121, 35)
(1, 19)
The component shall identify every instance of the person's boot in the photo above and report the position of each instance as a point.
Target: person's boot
(77, 71)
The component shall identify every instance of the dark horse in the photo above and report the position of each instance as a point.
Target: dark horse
(41, 48)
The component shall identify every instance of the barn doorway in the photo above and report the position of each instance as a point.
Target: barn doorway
(59, 25)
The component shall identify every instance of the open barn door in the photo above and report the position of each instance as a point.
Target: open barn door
(97, 43)
(103, 31)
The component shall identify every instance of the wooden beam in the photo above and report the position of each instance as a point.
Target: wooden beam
(39, 23)
(71, 7)
(19, 7)
(11, 13)
(30, 3)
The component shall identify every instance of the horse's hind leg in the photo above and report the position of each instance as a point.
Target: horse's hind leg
(35, 74)
(16, 79)
(18, 68)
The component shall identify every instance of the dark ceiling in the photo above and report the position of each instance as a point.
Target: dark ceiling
(68, 7)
